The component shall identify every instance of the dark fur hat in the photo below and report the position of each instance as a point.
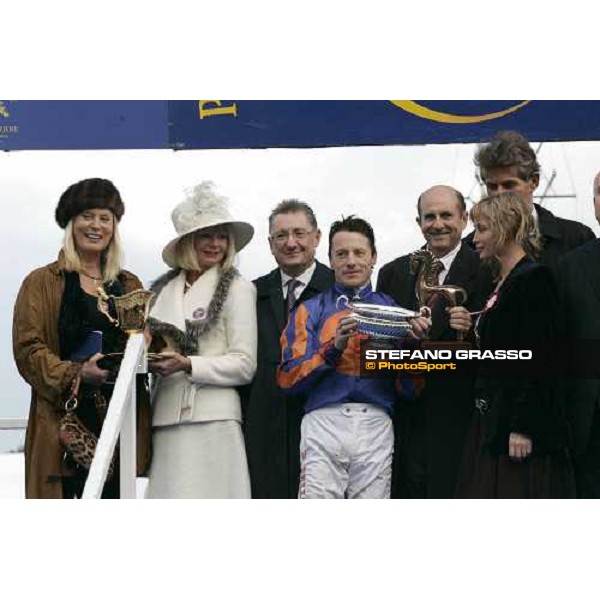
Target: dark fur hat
(87, 194)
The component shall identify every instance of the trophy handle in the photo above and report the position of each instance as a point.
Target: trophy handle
(103, 306)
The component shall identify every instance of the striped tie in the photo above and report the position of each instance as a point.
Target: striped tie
(292, 284)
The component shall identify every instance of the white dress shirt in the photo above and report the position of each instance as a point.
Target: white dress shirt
(447, 260)
(302, 279)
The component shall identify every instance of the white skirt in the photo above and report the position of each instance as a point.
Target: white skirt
(199, 460)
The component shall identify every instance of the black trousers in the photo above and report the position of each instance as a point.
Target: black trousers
(409, 473)
(587, 465)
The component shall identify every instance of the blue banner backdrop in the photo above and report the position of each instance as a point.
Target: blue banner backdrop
(190, 124)
(83, 124)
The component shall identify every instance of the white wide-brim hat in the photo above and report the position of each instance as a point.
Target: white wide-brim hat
(201, 209)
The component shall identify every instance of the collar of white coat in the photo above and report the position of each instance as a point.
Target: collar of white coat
(174, 306)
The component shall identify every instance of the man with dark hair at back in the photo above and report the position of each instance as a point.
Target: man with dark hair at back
(508, 163)
(272, 421)
(430, 429)
(347, 435)
(579, 284)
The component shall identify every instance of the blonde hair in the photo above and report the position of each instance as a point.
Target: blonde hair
(186, 258)
(110, 260)
(510, 219)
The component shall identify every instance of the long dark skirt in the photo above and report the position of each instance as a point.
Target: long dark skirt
(73, 485)
(487, 475)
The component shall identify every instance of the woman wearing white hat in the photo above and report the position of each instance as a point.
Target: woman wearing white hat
(204, 317)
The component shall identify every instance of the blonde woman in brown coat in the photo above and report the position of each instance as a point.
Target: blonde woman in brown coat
(54, 317)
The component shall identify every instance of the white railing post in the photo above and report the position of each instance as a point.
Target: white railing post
(128, 452)
(120, 417)
(13, 424)
(127, 445)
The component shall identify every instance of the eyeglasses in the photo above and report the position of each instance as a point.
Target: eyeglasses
(281, 237)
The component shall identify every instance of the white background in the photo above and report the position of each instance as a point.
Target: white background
(419, 549)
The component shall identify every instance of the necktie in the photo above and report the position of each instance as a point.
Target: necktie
(292, 284)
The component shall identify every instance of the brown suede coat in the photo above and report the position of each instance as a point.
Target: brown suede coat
(36, 352)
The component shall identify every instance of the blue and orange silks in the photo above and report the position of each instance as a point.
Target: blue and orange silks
(312, 365)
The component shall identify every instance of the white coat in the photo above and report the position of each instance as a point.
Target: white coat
(226, 355)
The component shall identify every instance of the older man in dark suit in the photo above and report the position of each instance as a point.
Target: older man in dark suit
(430, 430)
(509, 164)
(272, 426)
(579, 283)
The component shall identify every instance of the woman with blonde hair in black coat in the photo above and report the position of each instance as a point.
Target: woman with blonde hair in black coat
(518, 445)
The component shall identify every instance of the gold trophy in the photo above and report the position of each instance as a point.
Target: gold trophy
(131, 310)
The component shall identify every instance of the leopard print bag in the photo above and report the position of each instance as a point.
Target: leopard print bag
(76, 439)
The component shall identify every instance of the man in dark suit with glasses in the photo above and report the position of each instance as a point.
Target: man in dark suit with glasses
(272, 420)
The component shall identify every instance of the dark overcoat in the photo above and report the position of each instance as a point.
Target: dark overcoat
(36, 349)
(272, 419)
(526, 399)
(430, 430)
(579, 286)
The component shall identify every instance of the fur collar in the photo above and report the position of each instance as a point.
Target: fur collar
(186, 342)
